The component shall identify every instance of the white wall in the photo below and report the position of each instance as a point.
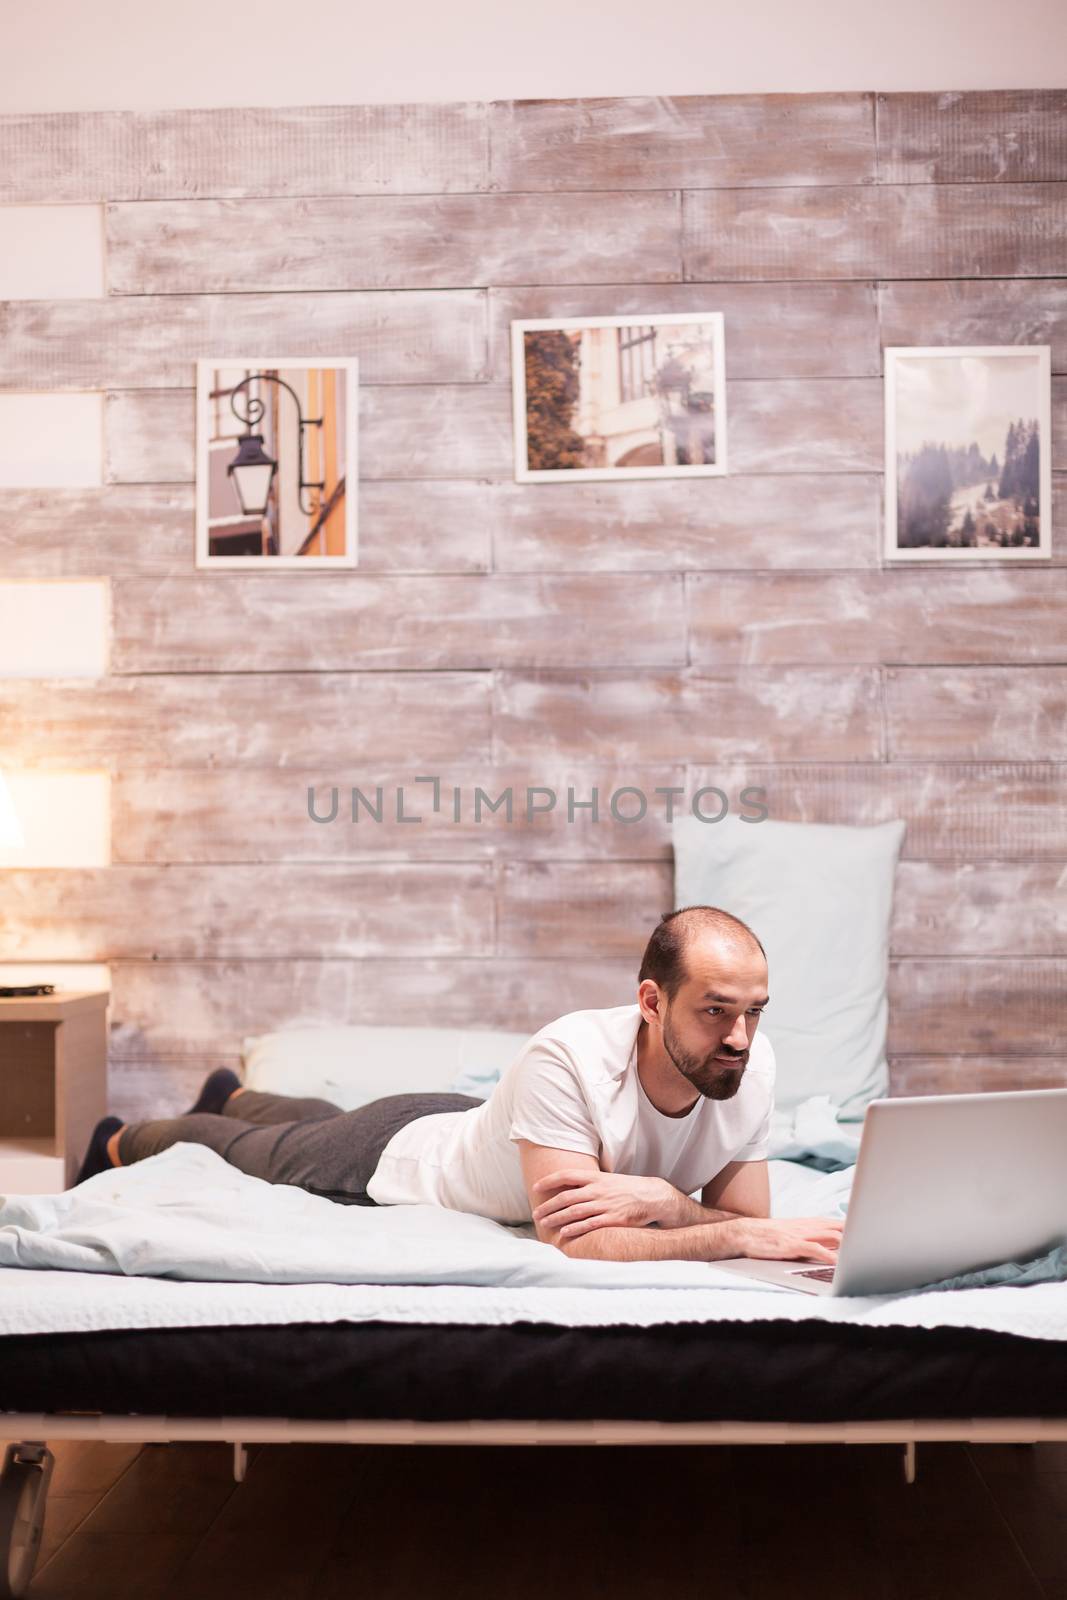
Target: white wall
(140, 54)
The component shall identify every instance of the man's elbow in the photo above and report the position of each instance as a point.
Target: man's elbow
(573, 1246)
(599, 1244)
(585, 1247)
(552, 1236)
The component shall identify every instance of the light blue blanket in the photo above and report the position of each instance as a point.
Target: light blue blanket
(186, 1213)
(1049, 1268)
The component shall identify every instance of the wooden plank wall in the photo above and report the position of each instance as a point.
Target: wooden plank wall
(653, 633)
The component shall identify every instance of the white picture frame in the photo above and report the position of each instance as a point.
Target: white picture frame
(953, 413)
(312, 499)
(639, 405)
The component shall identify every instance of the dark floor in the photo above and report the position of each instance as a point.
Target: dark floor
(167, 1522)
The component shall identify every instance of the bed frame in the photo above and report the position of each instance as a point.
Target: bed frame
(27, 1466)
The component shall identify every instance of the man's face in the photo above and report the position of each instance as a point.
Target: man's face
(709, 1025)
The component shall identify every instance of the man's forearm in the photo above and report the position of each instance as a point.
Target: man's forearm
(706, 1241)
(684, 1212)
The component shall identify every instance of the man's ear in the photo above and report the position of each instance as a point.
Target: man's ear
(648, 998)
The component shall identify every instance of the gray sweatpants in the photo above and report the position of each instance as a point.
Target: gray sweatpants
(283, 1139)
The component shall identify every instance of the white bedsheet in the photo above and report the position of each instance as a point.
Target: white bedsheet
(185, 1240)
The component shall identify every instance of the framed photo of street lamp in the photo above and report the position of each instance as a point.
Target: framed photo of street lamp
(642, 396)
(968, 473)
(276, 464)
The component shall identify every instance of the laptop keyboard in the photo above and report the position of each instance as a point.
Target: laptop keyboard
(824, 1274)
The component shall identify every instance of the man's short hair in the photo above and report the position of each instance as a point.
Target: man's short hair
(664, 957)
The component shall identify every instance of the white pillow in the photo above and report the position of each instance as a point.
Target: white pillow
(354, 1064)
(819, 899)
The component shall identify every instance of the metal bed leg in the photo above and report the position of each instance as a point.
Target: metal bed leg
(24, 1480)
(240, 1461)
(909, 1461)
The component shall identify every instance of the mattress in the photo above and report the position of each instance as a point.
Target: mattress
(682, 1372)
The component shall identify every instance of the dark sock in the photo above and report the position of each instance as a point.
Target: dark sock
(217, 1089)
(96, 1157)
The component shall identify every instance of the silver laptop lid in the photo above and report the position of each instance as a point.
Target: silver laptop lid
(950, 1183)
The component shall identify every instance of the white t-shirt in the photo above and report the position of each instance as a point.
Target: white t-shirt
(573, 1086)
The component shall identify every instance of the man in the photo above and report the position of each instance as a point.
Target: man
(605, 1123)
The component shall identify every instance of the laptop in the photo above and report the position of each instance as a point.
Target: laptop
(944, 1184)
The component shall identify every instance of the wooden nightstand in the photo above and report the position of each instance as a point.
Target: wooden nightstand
(53, 1087)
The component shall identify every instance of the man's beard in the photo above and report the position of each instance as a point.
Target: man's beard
(714, 1079)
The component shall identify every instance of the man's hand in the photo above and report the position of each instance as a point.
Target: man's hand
(576, 1201)
(788, 1238)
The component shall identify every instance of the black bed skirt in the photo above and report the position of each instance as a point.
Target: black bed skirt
(722, 1371)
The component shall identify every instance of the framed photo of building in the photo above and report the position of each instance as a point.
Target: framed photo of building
(642, 396)
(276, 464)
(967, 453)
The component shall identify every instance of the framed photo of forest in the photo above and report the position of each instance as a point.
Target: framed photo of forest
(642, 396)
(968, 462)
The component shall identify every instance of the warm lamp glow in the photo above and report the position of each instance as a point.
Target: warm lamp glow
(11, 835)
